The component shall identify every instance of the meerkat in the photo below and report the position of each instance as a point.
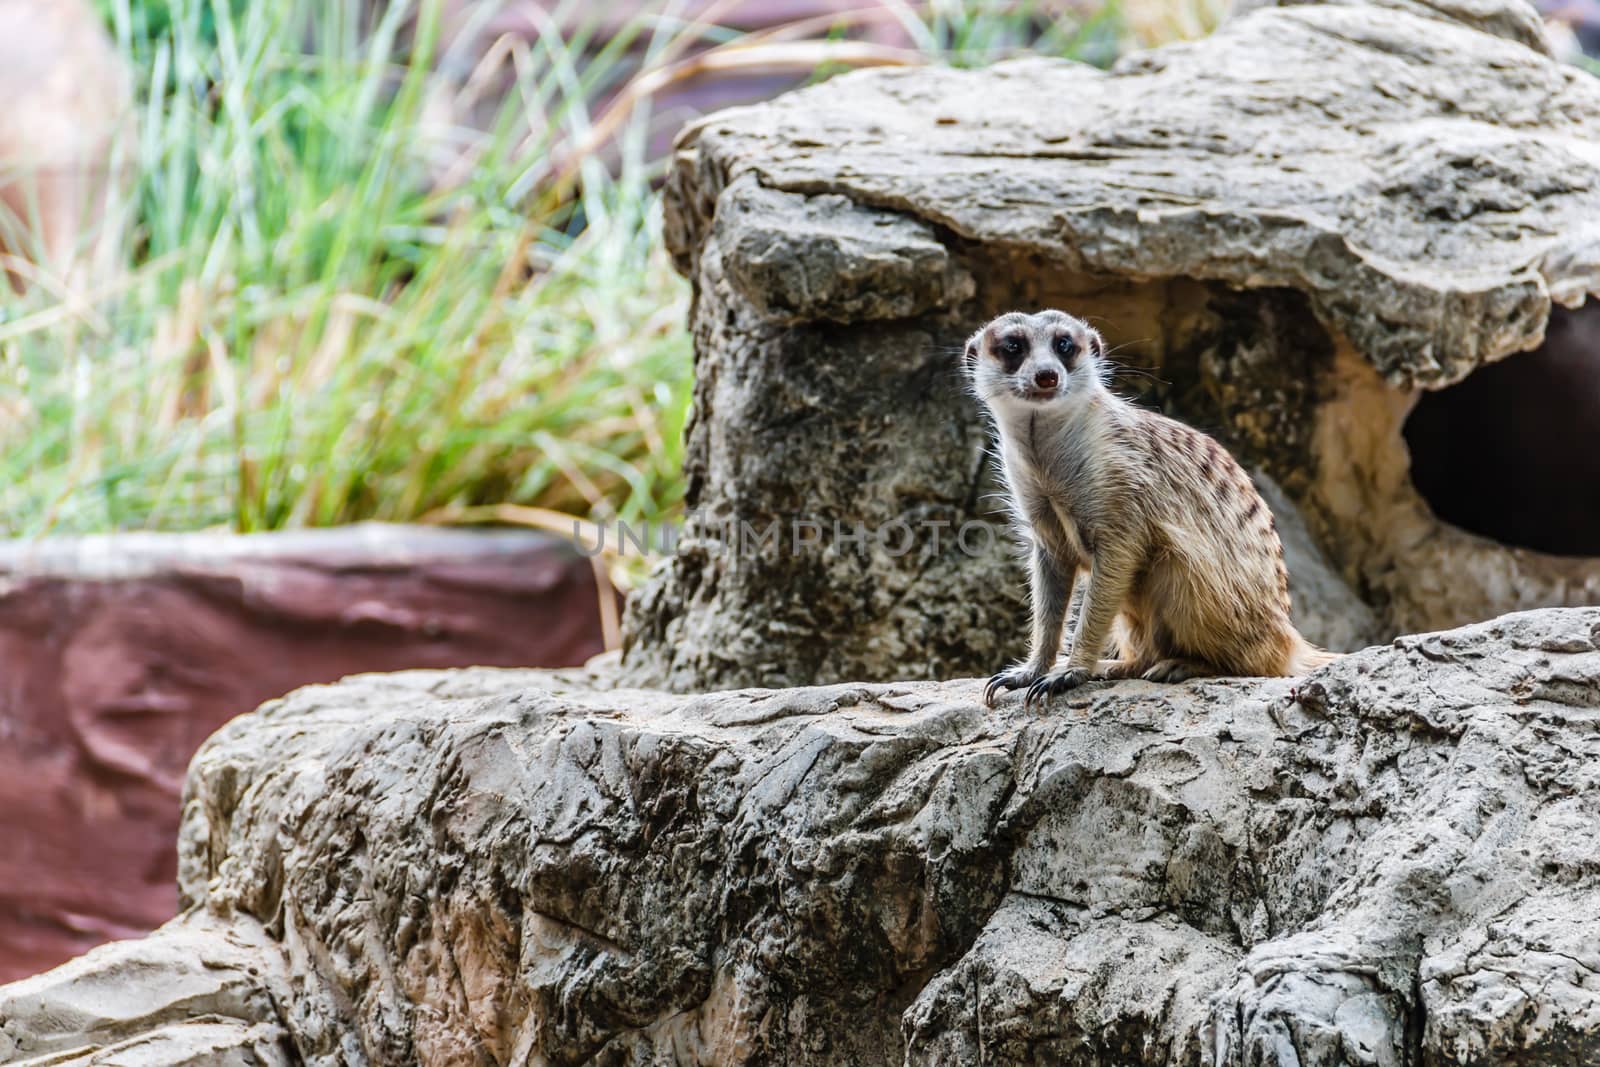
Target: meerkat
(1182, 556)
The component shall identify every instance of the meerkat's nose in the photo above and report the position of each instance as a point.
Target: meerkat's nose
(1047, 379)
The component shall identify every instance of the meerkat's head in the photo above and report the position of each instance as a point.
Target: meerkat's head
(1042, 359)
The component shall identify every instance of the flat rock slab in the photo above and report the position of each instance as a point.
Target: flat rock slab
(1390, 862)
(1425, 173)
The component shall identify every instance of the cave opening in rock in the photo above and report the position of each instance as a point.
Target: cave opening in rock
(1512, 452)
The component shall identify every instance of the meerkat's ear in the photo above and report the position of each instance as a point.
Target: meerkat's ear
(1102, 366)
(969, 358)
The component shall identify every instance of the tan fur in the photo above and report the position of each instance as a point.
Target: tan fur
(1181, 554)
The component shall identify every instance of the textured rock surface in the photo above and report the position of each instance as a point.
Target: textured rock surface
(1431, 186)
(1390, 862)
(200, 993)
(1298, 224)
(120, 655)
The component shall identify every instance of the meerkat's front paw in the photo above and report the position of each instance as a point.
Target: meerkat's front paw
(1054, 684)
(1010, 678)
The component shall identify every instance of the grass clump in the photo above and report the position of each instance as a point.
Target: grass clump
(340, 302)
(319, 325)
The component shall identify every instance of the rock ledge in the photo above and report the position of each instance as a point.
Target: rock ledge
(1390, 862)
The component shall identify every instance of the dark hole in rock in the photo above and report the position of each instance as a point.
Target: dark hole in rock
(1513, 451)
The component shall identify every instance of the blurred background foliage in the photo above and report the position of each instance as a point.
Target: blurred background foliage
(154, 19)
(396, 261)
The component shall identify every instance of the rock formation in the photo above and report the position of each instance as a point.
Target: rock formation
(1295, 227)
(1390, 863)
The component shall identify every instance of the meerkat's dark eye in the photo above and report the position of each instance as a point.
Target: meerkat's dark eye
(1065, 346)
(1013, 350)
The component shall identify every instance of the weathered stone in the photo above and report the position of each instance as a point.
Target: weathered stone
(200, 993)
(1514, 22)
(1296, 225)
(844, 262)
(1389, 862)
(1441, 184)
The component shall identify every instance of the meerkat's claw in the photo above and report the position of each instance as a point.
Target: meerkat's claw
(1054, 684)
(1010, 678)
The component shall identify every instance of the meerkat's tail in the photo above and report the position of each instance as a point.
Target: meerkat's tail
(1307, 657)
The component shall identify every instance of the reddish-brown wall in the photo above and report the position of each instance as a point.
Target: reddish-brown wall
(119, 656)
